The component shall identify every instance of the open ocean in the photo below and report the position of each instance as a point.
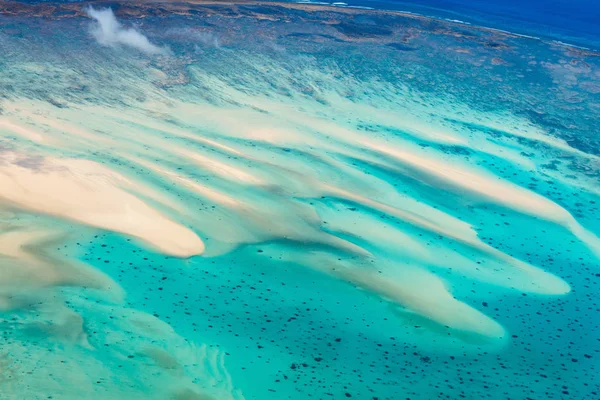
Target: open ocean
(575, 22)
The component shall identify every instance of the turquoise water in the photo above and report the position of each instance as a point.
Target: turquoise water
(247, 208)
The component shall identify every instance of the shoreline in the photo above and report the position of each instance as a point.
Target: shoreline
(242, 8)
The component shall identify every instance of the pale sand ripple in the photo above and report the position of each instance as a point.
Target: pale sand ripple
(135, 355)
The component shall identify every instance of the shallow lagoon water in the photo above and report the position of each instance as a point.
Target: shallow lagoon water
(298, 209)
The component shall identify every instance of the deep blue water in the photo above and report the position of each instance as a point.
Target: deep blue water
(575, 22)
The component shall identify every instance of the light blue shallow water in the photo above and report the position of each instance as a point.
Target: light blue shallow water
(309, 205)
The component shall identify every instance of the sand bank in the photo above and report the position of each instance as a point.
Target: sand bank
(91, 194)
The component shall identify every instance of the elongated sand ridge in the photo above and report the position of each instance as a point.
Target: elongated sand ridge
(88, 193)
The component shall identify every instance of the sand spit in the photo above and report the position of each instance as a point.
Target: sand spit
(426, 295)
(455, 179)
(413, 289)
(91, 194)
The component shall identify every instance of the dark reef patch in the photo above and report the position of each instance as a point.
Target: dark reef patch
(360, 30)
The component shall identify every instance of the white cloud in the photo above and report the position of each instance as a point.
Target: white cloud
(109, 32)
